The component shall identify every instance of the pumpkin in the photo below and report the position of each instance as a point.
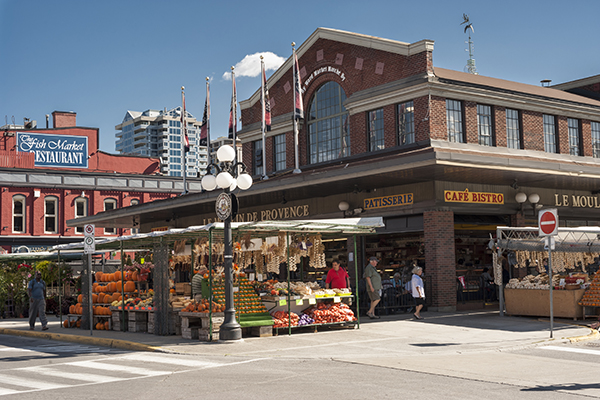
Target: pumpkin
(99, 325)
(119, 286)
(71, 309)
(135, 275)
(101, 297)
(94, 298)
(80, 298)
(99, 276)
(66, 323)
(129, 286)
(106, 325)
(117, 275)
(78, 324)
(94, 284)
(73, 324)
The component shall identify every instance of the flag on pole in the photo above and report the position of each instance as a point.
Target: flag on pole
(186, 140)
(298, 106)
(205, 120)
(264, 99)
(233, 110)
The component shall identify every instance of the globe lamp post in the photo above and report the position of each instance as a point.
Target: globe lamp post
(228, 179)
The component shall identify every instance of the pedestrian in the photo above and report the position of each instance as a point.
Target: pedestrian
(418, 291)
(373, 280)
(36, 289)
(337, 278)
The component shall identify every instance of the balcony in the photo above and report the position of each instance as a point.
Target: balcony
(140, 127)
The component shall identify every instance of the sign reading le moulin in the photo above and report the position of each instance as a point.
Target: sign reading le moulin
(55, 150)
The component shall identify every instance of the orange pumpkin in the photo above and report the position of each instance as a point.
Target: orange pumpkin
(99, 325)
(129, 286)
(94, 298)
(117, 275)
(66, 323)
(71, 309)
(78, 324)
(106, 325)
(135, 275)
(99, 276)
(80, 298)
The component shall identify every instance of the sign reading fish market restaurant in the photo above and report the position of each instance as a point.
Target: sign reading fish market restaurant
(457, 196)
(60, 151)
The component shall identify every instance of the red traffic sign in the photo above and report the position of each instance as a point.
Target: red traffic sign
(548, 222)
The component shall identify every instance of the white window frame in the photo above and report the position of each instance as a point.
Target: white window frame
(110, 231)
(52, 199)
(134, 202)
(84, 201)
(23, 200)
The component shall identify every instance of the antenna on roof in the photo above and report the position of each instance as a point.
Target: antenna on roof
(470, 67)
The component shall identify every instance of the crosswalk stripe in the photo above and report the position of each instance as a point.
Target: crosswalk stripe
(572, 350)
(29, 383)
(72, 375)
(167, 360)
(117, 368)
(7, 391)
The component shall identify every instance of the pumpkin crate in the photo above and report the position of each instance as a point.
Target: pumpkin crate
(135, 326)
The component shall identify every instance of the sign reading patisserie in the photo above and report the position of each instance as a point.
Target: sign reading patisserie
(457, 196)
(388, 201)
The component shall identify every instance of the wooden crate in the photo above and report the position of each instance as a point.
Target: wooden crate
(189, 333)
(135, 326)
(261, 331)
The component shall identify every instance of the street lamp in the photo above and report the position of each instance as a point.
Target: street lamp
(227, 178)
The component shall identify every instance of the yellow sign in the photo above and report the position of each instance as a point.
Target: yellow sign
(388, 201)
(160, 229)
(457, 196)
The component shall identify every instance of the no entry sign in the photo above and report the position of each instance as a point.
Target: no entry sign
(548, 222)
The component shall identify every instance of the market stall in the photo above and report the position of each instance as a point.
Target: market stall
(574, 262)
(263, 251)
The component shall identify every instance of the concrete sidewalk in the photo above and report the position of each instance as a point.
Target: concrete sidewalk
(390, 336)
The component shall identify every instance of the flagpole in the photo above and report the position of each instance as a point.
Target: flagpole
(234, 114)
(264, 125)
(208, 122)
(296, 158)
(183, 130)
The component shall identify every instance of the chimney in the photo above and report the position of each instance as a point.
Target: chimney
(64, 119)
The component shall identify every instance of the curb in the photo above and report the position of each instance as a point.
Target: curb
(113, 343)
(593, 335)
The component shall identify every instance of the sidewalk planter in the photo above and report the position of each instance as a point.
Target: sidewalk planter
(536, 302)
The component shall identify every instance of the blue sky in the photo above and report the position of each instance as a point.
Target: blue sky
(102, 58)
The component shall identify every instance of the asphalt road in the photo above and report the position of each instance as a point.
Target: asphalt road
(33, 369)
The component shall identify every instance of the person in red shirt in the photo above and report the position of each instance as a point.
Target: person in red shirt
(337, 278)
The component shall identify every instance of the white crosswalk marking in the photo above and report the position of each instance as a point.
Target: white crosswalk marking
(95, 378)
(143, 357)
(98, 371)
(571, 350)
(104, 366)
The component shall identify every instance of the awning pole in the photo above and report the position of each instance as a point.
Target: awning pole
(356, 283)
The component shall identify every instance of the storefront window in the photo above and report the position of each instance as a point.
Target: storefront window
(280, 152)
(484, 125)
(596, 138)
(406, 123)
(574, 147)
(376, 131)
(257, 162)
(134, 202)
(81, 210)
(454, 121)
(513, 129)
(549, 133)
(328, 130)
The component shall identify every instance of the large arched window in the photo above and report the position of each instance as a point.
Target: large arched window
(328, 130)
(19, 214)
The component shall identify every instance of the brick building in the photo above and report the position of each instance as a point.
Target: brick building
(48, 176)
(441, 155)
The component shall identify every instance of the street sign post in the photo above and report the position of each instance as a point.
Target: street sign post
(89, 241)
(89, 248)
(548, 228)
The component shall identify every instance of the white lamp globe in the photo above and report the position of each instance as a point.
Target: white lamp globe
(534, 198)
(244, 181)
(343, 206)
(233, 185)
(224, 180)
(209, 182)
(521, 197)
(225, 153)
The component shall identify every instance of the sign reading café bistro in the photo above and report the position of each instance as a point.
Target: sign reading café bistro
(60, 151)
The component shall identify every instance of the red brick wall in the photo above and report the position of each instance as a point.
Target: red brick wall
(437, 120)
(62, 119)
(440, 258)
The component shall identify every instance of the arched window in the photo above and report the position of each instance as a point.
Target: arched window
(328, 130)
(51, 214)
(110, 204)
(135, 202)
(19, 213)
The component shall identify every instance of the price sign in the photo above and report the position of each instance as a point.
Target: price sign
(236, 289)
(336, 299)
(282, 302)
(299, 302)
(312, 301)
(251, 276)
(259, 277)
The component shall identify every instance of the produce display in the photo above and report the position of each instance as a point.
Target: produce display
(540, 281)
(325, 313)
(591, 297)
(203, 306)
(281, 319)
(246, 300)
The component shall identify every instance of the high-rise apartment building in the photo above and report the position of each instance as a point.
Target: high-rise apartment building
(159, 134)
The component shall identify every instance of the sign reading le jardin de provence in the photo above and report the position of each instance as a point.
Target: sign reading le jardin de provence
(55, 150)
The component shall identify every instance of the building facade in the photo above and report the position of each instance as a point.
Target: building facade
(159, 134)
(443, 156)
(49, 176)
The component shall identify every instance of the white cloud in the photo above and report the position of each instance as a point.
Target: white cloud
(250, 65)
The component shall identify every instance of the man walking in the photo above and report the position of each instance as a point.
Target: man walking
(37, 301)
(373, 280)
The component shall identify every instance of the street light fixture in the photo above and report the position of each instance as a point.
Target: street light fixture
(227, 178)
